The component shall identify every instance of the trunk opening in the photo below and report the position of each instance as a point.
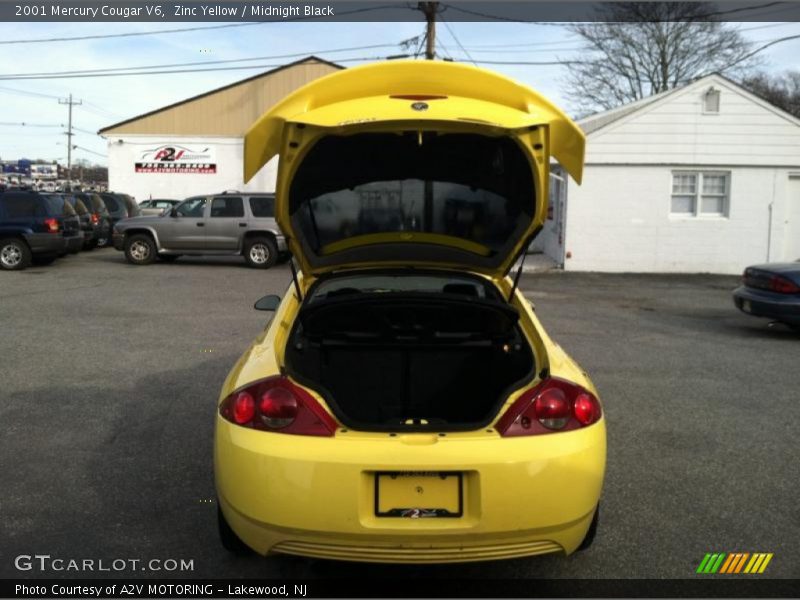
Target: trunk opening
(410, 360)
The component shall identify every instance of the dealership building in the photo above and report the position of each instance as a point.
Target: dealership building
(196, 146)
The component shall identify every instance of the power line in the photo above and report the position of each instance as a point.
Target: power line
(26, 124)
(198, 63)
(26, 93)
(179, 71)
(457, 41)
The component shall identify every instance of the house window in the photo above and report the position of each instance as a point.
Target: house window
(711, 102)
(700, 194)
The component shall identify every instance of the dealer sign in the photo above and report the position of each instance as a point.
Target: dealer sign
(177, 159)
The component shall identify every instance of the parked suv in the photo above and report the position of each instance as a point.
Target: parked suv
(231, 223)
(34, 226)
(120, 206)
(99, 218)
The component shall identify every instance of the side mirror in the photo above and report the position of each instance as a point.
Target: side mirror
(270, 302)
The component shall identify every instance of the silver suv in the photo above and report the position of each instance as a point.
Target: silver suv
(230, 223)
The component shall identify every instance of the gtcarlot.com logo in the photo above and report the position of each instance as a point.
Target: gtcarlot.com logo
(734, 563)
(45, 562)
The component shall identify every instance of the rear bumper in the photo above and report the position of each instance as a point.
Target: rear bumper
(46, 243)
(316, 496)
(74, 243)
(118, 240)
(781, 307)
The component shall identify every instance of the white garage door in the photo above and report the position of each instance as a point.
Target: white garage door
(792, 240)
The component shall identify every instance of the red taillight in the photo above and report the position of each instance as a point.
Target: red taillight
(243, 408)
(586, 409)
(417, 97)
(553, 405)
(277, 404)
(552, 409)
(52, 225)
(278, 407)
(95, 218)
(782, 285)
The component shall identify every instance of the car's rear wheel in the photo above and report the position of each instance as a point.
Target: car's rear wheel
(140, 249)
(592, 532)
(260, 253)
(14, 254)
(230, 541)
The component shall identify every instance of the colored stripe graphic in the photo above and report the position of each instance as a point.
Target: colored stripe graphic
(734, 563)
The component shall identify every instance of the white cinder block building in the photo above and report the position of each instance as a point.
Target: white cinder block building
(196, 146)
(703, 178)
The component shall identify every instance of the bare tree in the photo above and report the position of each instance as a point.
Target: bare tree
(782, 90)
(643, 48)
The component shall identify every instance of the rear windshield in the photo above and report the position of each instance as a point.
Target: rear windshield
(111, 202)
(473, 187)
(57, 205)
(387, 283)
(262, 206)
(20, 205)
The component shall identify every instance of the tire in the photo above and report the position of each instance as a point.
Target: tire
(140, 249)
(169, 257)
(260, 253)
(591, 533)
(14, 254)
(230, 541)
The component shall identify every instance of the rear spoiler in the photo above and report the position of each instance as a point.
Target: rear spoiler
(494, 99)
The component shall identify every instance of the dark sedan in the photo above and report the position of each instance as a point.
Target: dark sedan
(771, 290)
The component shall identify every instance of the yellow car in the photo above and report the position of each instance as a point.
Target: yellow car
(405, 404)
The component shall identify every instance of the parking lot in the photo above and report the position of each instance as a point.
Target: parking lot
(110, 375)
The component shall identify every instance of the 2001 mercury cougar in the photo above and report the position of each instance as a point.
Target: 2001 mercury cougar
(405, 403)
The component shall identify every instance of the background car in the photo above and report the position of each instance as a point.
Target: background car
(231, 223)
(156, 207)
(120, 206)
(771, 290)
(73, 233)
(85, 216)
(33, 226)
(99, 216)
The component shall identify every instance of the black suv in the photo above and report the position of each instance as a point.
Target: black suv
(34, 226)
(120, 206)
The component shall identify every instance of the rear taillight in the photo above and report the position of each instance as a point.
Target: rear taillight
(782, 285)
(52, 225)
(95, 218)
(553, 405)
(277, 404)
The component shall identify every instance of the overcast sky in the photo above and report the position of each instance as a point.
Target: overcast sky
(107, 100)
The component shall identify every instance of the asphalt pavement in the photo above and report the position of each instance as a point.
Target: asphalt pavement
(109, 375)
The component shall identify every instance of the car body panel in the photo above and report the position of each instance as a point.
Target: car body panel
(281, 512)
(316, 495)
(467, 100)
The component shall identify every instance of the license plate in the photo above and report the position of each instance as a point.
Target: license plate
(419, 495)
(746, 307)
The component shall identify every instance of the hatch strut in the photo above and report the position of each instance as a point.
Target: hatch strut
(517, 276)
(294, 279)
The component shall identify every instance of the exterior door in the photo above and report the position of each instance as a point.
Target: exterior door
(185, 230)
(791, 242)
(225, 223)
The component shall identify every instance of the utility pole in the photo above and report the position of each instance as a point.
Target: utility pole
(429, 9)
(70, 103)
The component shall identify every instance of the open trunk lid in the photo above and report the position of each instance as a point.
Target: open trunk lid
(412, 163)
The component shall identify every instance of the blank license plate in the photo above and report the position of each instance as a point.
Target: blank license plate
(746, 307)
(419, 495)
